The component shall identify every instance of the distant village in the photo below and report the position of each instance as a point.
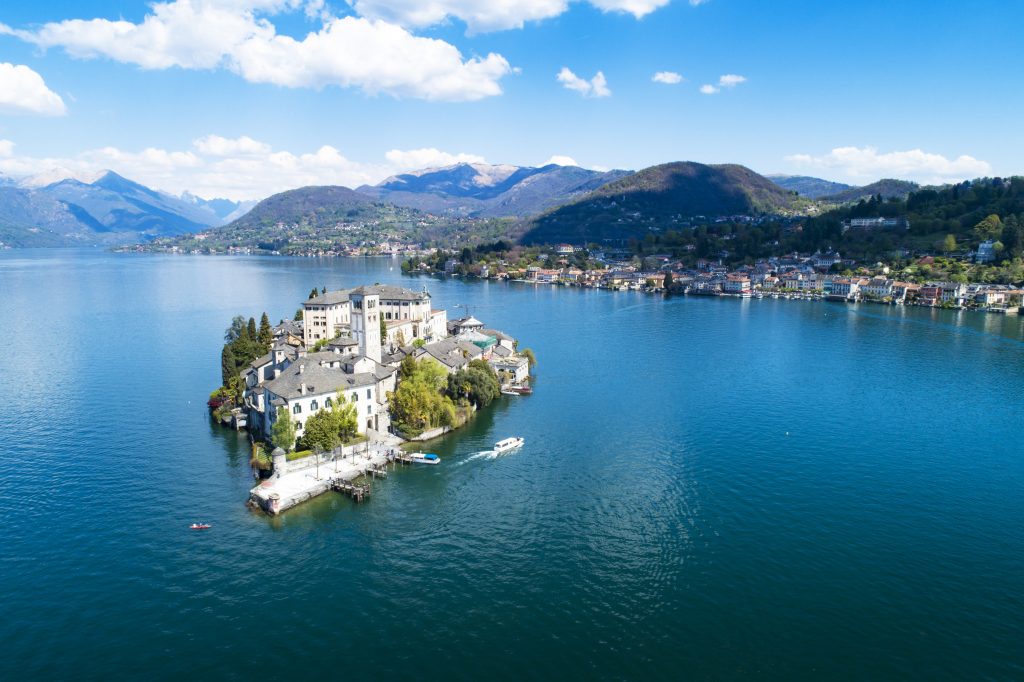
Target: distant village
(808, 276)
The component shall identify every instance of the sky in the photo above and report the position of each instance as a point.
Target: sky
(244, 98)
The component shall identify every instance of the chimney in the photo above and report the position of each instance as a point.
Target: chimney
(302, 367)
(302, 388)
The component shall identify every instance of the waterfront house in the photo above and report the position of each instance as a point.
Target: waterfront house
(314, 382)
(878, 287)
(736, 284)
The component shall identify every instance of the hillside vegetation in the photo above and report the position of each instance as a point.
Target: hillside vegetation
(660, 197)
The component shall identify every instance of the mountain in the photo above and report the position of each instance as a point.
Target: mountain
(888, 188)
(313, 206)
(805, 186)
(222, 211)
(102, 209)
(659, 197)
(483, 190)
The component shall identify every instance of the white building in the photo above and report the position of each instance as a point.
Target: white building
(327, 315)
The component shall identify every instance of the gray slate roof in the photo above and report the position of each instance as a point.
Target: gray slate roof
(321, 379)
(385, 291)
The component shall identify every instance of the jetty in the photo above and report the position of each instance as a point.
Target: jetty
(295, 482)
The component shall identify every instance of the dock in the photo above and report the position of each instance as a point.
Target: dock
(295, 482)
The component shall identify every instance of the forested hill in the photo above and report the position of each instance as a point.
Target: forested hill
(660, 197)
(887, 189)
(318, 206)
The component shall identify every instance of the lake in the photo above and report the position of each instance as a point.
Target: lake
(710, 489)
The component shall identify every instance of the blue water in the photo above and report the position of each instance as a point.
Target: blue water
(710, 489)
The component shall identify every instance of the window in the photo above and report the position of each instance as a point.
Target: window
(314, 406)
(369, 409)
(368, 393)
(328, 403)
(297, 409)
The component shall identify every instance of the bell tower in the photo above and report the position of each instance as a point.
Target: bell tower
(366, 322)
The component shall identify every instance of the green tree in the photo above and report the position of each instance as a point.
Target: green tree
(282, 433)
(266, 335)
(250, 329)
(530, 357)
(990, 227)
(313, 293)
(949, 243)
(298, 315)
(383, 330)
(669, 281)
(227, 364)
(346, 417)
(321, 431)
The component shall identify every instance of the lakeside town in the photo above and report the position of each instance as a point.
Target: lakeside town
(821, 275)
(335, 392)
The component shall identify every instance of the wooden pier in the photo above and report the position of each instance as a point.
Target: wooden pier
(357, 491)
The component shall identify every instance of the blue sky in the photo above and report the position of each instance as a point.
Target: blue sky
(242, 98)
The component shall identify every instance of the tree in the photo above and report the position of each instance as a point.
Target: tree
(237, 328)
(669, 281)
(227, 364)
(383, 330)
(346, 418)
(266, 335)
(990, 227)
(530, 357)
(321, 432)
(313, 293)
(298, 315)
(949, 243)
(282, 433)
(250, 329)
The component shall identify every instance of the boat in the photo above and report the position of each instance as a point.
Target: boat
(514, 389)
(199, 526)
(425, 458)
(508, 444)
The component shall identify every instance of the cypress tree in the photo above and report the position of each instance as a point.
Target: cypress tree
(227, 364)
(251, 329)
(266, 335)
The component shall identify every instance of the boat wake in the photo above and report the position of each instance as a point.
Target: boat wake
(483, 454)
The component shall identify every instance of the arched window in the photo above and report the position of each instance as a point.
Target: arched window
(314, 406)
(297, 409)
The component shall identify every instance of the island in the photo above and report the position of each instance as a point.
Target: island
(335, 392)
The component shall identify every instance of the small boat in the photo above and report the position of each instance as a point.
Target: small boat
(199, 526)
(425, 458)
(508, 444)
(514, 389)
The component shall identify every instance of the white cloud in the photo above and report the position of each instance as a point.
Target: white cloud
(667, 77)
(729, 80)
(374, 56)
(23, 91)
(234, 168)
(560, 161)
(867, 164)
(595, 87)
(415, 159)
(488, 15)
(215, 145)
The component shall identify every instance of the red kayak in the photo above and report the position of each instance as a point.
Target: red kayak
(199, 526)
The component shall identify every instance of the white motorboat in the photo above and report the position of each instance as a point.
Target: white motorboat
(508, 444)
(425, 458)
